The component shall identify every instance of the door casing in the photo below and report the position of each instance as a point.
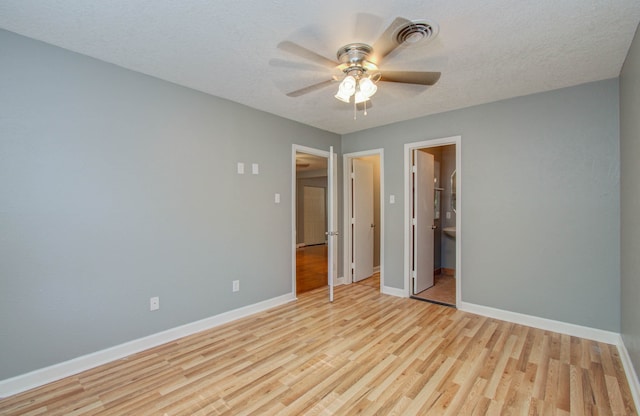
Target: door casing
(362, 211)
(312, 151)
(408, 150)
(346, 187)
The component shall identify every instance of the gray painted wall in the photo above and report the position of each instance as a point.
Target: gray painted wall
(630, 201)
(115, 187)
(540, 221)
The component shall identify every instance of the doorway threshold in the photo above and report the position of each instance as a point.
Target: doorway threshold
(434, 301)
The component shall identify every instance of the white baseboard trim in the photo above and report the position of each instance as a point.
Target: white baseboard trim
(388, 290)
(376, 269)
(542, 323)
(632, 376)
(341, 281)
(24, 382)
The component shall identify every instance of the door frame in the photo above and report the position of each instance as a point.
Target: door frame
(296, 148)
(346, 200)
(408, 150)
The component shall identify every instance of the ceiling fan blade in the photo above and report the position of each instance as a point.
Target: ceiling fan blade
(411, 77)
(387, 42)
(311, 88)
(300, 66)
(305, 53)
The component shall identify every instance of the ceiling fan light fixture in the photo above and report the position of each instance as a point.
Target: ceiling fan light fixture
(342, 96)
(348, 85)
(367, 87)
(360, 97)
(346, 89)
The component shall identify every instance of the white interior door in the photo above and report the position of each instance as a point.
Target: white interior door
(423, 213)
(332, 232)
(314, 203)
(362, 219)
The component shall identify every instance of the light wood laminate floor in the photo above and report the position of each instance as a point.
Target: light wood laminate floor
(365, 353)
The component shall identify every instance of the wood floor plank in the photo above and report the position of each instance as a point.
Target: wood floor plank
(365, 353)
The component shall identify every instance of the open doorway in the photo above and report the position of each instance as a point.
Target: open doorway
(311, 253)
(363, 222)
(432, 233)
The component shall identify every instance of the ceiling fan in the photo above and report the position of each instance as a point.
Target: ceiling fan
(358, 64)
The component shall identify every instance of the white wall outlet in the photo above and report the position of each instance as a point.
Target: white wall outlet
(154, 303)
(255, 169)
(276, 199)
(236, 285)
(240, 168)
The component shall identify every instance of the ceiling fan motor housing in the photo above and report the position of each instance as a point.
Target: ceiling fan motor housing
(354, 57)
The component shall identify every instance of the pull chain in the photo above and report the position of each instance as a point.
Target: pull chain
(355, 109)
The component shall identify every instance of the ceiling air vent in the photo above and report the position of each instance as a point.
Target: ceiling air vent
(417, 31)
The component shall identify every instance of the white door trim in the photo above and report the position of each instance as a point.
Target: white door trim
(296, 148)
(408, 149)
(346, 188)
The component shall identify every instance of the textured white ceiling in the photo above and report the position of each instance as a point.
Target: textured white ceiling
(486, 50)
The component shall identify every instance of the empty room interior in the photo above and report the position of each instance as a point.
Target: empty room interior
(246, 208)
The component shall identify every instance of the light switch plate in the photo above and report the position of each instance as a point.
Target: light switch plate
(392, 199)
(240, 168)
(154, 303)
(255, 169)
(276, 198)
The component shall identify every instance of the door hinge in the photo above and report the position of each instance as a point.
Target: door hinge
(414, 168)
(353, 175)
(353, 220)
(413, 221)
(413, 274)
